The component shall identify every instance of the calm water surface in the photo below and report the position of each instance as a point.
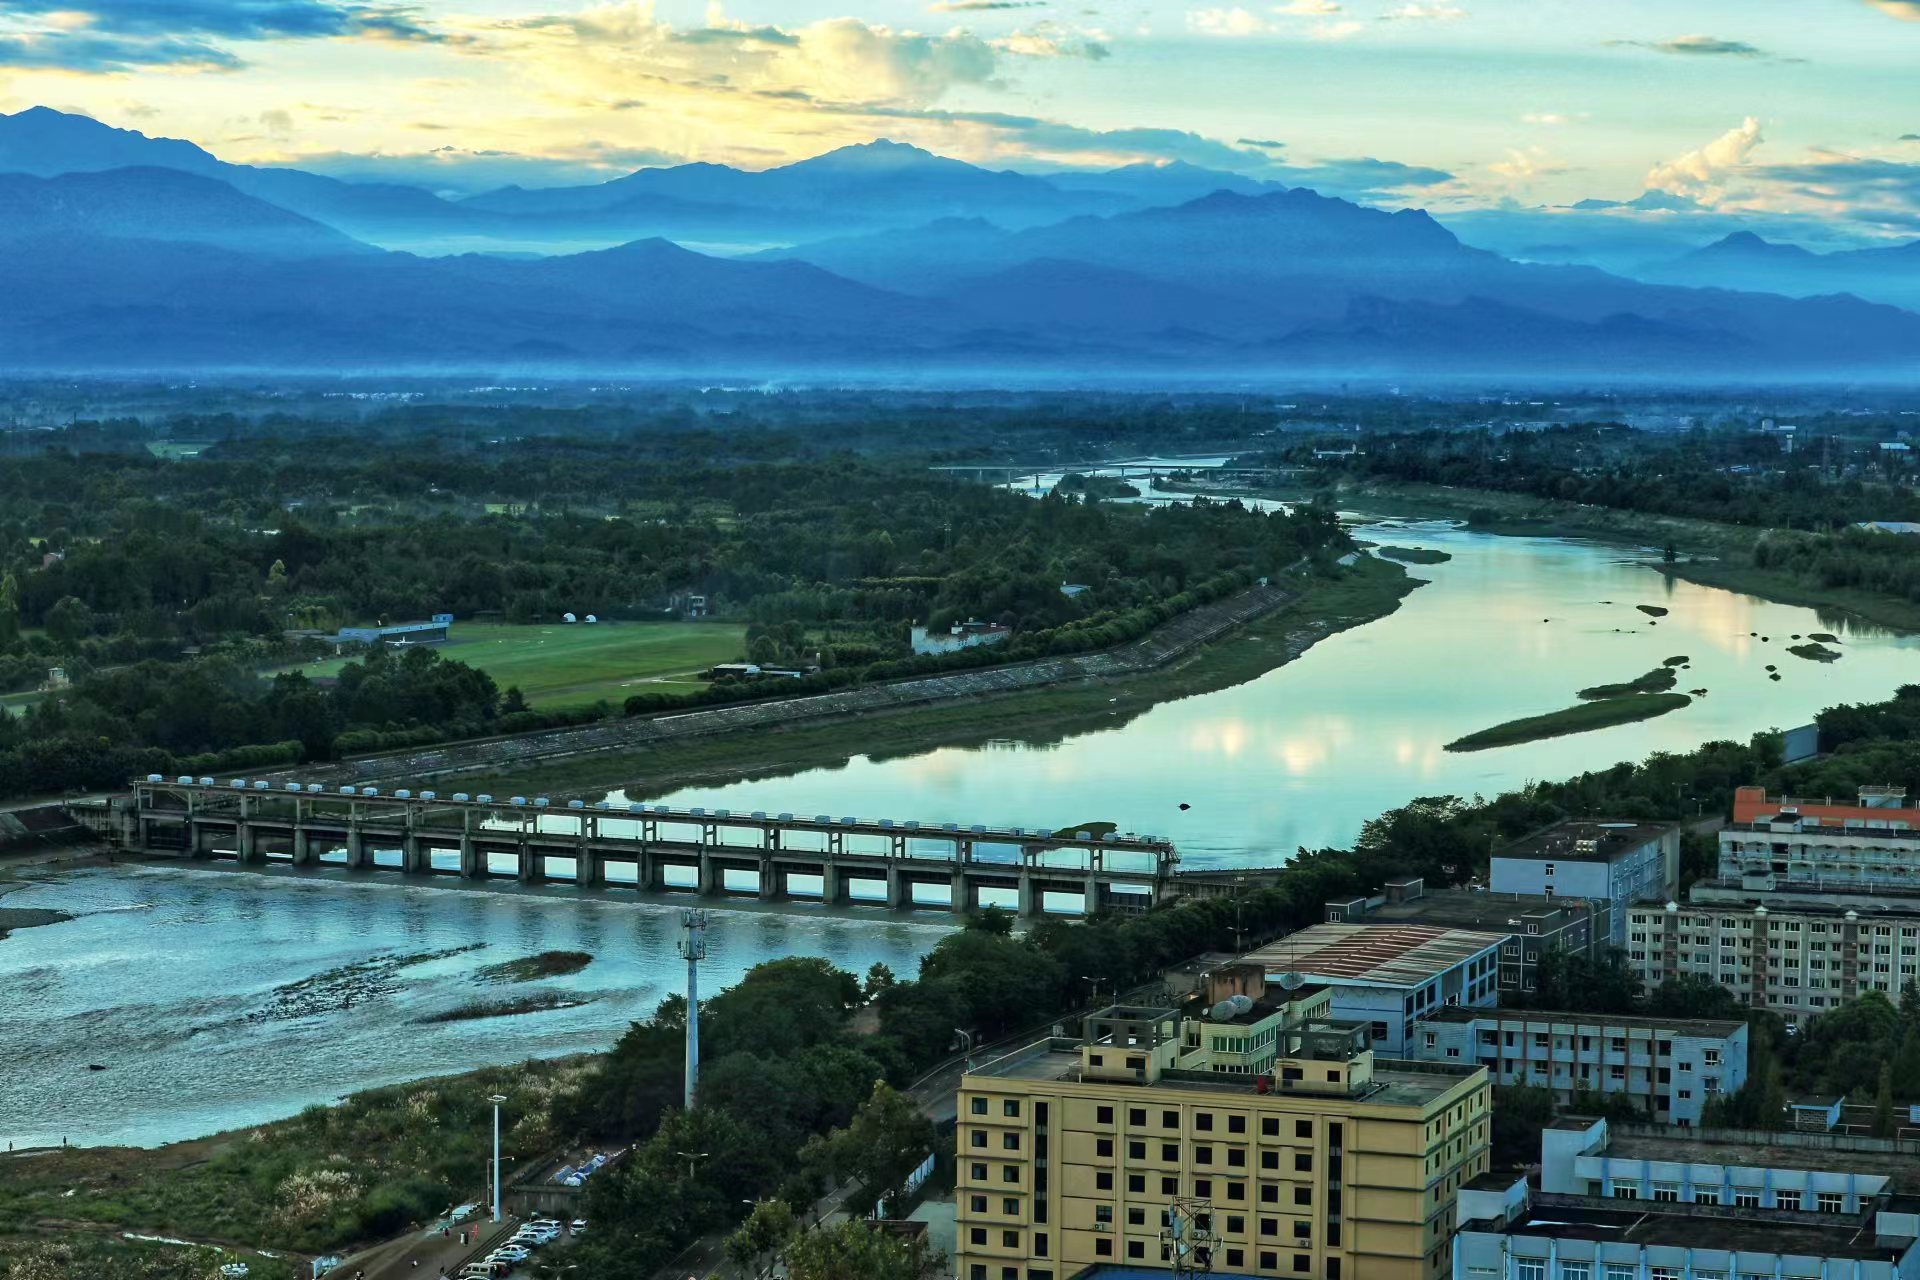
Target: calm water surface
(171, 978)
(1306, 753)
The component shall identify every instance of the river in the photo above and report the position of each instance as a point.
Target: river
(170, 978)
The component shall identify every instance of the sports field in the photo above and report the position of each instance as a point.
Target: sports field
(570, 666)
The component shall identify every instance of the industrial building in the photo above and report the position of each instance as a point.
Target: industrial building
(1797, 958)
(1614, 1206)
(1534, 925)
(1670, 1067)
(1388, 976)
(1784, 843)
(1278, 1139)
(1619, 863)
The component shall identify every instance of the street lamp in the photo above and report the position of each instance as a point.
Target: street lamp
(1087, 977)
(496, 1099)
(690, 1157)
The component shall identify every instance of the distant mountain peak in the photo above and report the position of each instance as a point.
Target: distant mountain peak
(879, 154)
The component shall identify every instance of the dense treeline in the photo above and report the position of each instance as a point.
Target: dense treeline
(1733, 477)
(161, 586)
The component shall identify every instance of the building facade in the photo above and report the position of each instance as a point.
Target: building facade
(1617, 862)
(1787, 844)
(1607, 1209)
(1670, 1067)
(1324, 1163)
(1796, 958)
(1534, 925)
(1387, 976)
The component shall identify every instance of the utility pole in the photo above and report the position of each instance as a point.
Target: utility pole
(694, 948)
(496, 1100)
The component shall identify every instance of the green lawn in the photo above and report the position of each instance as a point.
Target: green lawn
(572, 666)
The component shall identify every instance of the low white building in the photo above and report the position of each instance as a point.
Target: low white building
(962, 635)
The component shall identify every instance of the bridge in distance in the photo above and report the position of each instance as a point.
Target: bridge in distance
(646, 848)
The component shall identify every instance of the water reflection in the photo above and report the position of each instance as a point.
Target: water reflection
(1305, 754)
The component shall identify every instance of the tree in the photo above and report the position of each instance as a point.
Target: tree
(277, 577)
(880, 979)
(69, 622)
(751, 1247)
(1906, 1064)
(855, 1250)
(1883, 1103)
(991, 919)
(9, 610)
(883, 1144)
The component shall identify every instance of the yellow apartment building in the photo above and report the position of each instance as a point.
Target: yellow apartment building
(1278, 1142)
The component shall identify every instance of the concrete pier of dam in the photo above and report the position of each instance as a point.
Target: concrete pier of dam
(649, 848)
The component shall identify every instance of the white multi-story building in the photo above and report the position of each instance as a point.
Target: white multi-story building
(1789, 844)
(1612, 1207)
(1798, 958)
(1669, 1066)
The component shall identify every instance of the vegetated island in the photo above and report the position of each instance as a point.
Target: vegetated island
(1658, 680)
(1095, 487)
(547, 964)
(1814, 651)
(1678, 660)
(1414, 555)
(1575, 719)
(1825, 637)
(542, 1003)
(1652, 610)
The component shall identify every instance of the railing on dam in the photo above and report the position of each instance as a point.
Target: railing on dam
(473, 834)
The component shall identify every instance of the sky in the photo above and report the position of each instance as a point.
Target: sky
(1803, 111)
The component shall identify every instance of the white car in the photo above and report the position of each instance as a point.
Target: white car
(579, 1226)
(531, 1239)
(509, 1253)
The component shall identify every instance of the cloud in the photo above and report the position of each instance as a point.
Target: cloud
(1307, 8)
(1696, 46)
(1335, 30)
(1227, 22)
(456, 171)
(1051, 40)
(1861, 188)
(1550, 119)
(89, 54)
(1525, 164)
(1415, 11)
(237, 19)
(1265, 144)
(1703, 172)
(609, 49)
(1362, 177)
(981, 6)
(1905, 10)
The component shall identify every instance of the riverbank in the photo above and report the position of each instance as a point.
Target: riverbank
(1710, 554)
(1369, 590)
(323, 1181)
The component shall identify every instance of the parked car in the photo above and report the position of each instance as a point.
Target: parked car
(579, 1226)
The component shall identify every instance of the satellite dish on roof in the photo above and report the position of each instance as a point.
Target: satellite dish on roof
(1240, 1003)
(1222, 1011)
(1291, 981)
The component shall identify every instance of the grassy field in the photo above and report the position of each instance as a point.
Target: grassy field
(1372, 589)
(1576, 719)
(575, 666)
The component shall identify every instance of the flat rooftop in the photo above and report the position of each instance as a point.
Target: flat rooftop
(1787, 902)
(1646, 1225)
(1395, 1083)
(1386, 955)
(1901, 1167)
(1675, 1026)
(1561, 841)
(1474, 909)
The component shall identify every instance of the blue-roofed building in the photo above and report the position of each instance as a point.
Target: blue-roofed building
(400, 634)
